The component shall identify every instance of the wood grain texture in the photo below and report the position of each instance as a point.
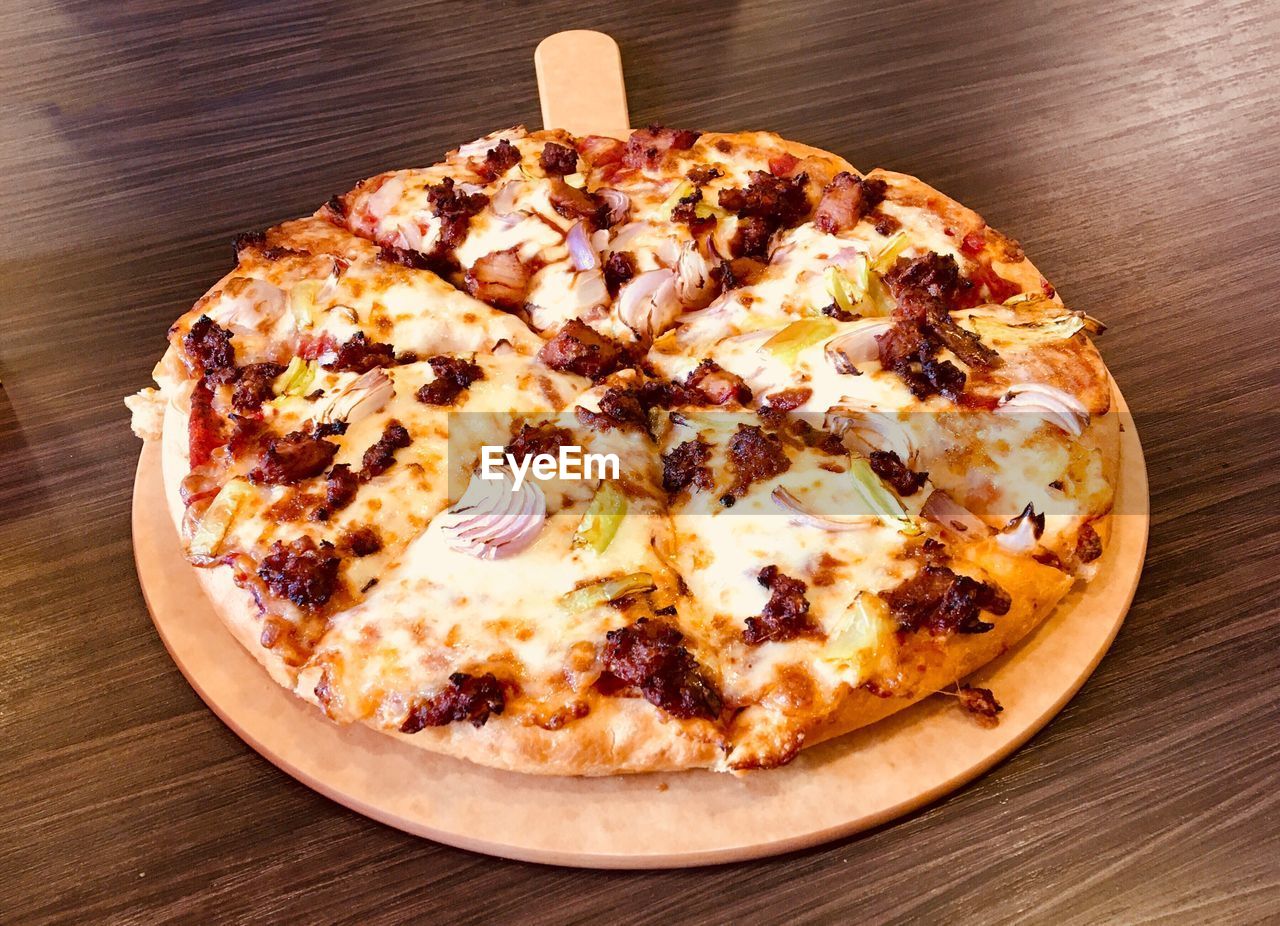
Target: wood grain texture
(1129, 146)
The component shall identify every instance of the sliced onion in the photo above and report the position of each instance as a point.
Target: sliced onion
(504, 201)
(482, 146)
(1059, 408)
(648, 304)
(589, 290)
(788, 502)
(493, 519)
(694, 283)
(865, 431)
(580, 249)
(954, 519)
(617, 203)
(856, 344)
(249, 306)
(624, 240)
(385, 197)
(362, 397)
(1022, 533)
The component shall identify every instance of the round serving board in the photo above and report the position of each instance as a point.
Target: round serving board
(642, 821)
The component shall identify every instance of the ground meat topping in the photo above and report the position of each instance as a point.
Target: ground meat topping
(767, 204)
(980, 704)
(302, 571)
(558, 160)
(415, 260)
(296, 456)
(204, 427)
(703, 174)
(846, 200)
(378, 458)
(501, 279)
(1088, 544)
(498, 160)
(940, 601)
(649, 655)
(785, 615)
(648, 147)
(360, 355)
(466, 697)
(578, 348)
(341, 489)
(711, 384)
(686, 465)
(454, 209)
(889, 466)
(755, 455)
(209, 347)
(254, 385)
(360, 541)
(534, 440)
(618, 269)
(453, 377)
(573, 203)
(620, 409)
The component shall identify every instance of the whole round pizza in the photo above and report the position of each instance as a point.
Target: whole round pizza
(593, 455)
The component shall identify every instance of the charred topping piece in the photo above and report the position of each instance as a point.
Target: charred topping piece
(785, 615)
(618, 269)
(846, 200)
(204, 427)
(573, 203)
(466, 697)
(378, 458)
(360, 355)
(755, 455)
(341, 488)
(649, 655)
(980, 704)
(767, 204)
(302, 571)
(940, 601)
(532, 441)
(578, 348)
(254, 385)
(558, 160)
(687, 465)
(1088, 543)
(296, 456)
(649, 147)
(209, 348)
(454, 209)
(711, 384)
(620, 409)
(889, 466)
(453, 377)
(501, 279)
(498, 160)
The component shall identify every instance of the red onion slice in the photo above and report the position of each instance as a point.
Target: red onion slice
(865, 431)
(493, 519)
(1059, 408)
(694, 283)
(504, 201)
(580, 249)
(1021, 535)
(856, 344)
(788, 502)
(955, 520)
(617, 203)
(362, 397)
(648, 305)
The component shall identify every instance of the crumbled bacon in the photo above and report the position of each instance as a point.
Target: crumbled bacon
(686, 465)
(884, 224)
(578, 348)
(466, 697)
(296, 456)
(618, 269)
(980, 704)
(649, 655)
(711, 384)
(648, 147)
(620, 409)
(360, 355)
(785, 615)
(1088, 544)
(919, 285)
(454, 209)
(702, 174)
(498, 160)
(846, 199)
(573, 203)
(941, 601)
(204, 427)
(532, 441)
(302, 571)
(341, 488)
(755, 455)
(558, 160)
(360, 541)
(889, 466)
(599, 150)
(379, 457)
(453, 376)
(767, 204)
(254, 385)
(501, 279)
(209, 347)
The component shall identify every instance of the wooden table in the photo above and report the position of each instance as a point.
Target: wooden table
(1132, 149)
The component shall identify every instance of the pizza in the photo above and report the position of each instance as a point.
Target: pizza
(586, 456)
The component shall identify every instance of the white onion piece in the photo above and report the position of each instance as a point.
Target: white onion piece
(954, 519)
(362, 397)
(493, 519)
(627, 234)
(618, 203)
(648, 304)
(580, 249)
(385, 197)
(589, 290)
(667, 251)
(504, 201)
(248, 306)
(856, 344)
(482, 146)
(1021, 535)
(865, 431)
(694, 283)
(788, 502)
(1059, 408)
